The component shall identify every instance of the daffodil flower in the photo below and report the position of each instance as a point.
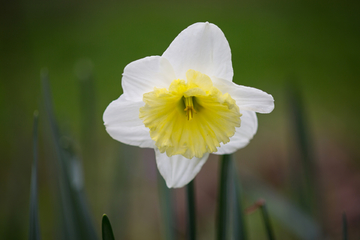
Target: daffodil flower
(184, 104)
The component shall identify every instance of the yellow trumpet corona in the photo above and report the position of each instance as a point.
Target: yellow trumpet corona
(190, 118)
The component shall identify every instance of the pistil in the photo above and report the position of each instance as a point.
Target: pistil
(189, 107)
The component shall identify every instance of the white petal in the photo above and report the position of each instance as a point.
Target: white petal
(202, 47)
(178, 170)
(122, 122)
(247, 98)
(242, 135)
(141, 76)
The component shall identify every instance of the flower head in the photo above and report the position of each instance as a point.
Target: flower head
(185, 105)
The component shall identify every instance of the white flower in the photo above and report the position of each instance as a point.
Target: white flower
(185, 105)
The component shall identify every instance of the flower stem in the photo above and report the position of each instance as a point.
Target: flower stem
(223, 197)
(239, 228)
(167, 212)
(191, 221)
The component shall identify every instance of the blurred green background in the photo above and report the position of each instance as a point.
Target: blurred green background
(276, 46)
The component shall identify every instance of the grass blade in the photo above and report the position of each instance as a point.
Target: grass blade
(191, 221)
(34, 229)
(222, 213)
(167, 211)
(344, 227)
(107, 232)
(269, 230)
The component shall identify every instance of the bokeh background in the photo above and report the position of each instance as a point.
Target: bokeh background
(306, 152)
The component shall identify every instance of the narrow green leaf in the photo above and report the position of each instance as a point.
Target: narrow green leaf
(239, 228)
(191, 210)
(344, 227)
(303, 169)
(166, 209)
(34, 229)
(68, 224)
(223, 193)
(107, 232)
(269, 230)
(76, 218)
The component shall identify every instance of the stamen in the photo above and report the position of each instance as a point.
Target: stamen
(189, 107)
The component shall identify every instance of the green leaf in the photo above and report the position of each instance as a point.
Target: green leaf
(222, 213)
(107, 232)
(34, 229)
(191, 210)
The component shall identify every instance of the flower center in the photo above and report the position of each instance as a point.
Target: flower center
(190, 118)
(189, 107)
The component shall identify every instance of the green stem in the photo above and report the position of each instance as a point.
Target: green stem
(191, 221)
(223, 197)
(239, 221)
(166, 207)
